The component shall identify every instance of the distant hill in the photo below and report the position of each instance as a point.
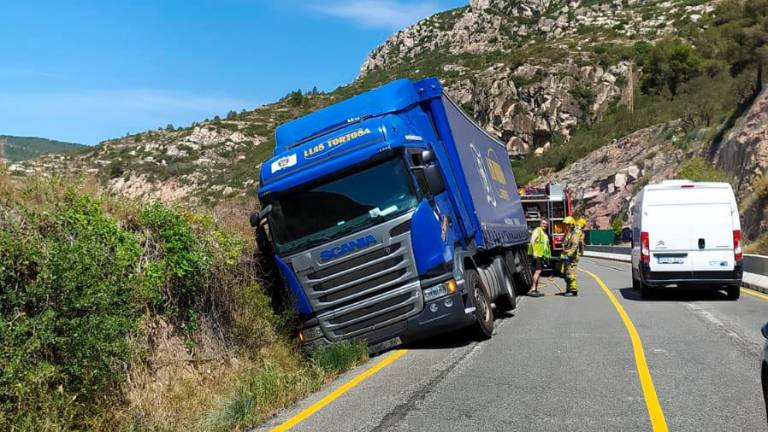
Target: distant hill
(16, 149)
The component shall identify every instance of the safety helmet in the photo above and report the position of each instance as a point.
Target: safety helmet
(582, 222)
(569, 220)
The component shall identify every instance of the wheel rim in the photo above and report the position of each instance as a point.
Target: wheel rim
(480, 302)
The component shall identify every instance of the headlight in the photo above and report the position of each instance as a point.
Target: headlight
(311, 333)
(445, 288)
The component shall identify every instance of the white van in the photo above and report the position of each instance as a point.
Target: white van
(686, 234)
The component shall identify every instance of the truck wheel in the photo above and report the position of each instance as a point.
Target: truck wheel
(734, 292)
(508, 299)
(480, 297)
(524, 277)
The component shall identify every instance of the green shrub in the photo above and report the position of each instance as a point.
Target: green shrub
(66, 294)
(338, 357)
(760, 186)
(698, 169)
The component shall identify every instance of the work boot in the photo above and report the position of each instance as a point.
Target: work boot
(535, 293)
(569, 294)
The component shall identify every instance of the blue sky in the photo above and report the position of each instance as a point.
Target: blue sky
(85, 71)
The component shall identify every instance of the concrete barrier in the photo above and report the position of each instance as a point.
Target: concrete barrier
(755, 266)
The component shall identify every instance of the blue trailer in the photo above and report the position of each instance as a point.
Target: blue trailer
(393, 216)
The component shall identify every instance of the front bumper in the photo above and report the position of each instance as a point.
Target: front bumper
(438, 316)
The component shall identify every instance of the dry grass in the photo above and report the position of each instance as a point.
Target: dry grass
(171, 385)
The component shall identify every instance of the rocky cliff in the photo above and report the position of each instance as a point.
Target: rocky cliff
(604, 182)
(547, 65)
(744, 154)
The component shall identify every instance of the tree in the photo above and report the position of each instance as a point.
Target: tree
(169, 127)
(296, 98)
(668, 65)
(617, 225)
(231, 115)
(216, 118)
(740, 36)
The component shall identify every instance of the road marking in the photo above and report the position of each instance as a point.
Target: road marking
(754, 293)
(658, 422)
(349, 385)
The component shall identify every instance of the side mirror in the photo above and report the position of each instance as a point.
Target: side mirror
(256, 218)
(427, 157)
(434, 179)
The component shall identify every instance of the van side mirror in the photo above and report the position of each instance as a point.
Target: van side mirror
(434, 179)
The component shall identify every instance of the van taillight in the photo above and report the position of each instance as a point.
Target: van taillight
(738, 254)
(645, 249)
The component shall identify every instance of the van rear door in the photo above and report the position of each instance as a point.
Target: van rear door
(668, 237)
(712, 238)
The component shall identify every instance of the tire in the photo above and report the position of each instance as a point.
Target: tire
(635, 282)
(507, 301)
(647, 291)
(524, 277)
(734, 292)
(764, 382)
(483, 328)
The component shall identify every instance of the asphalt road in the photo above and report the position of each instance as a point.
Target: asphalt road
(562, 363)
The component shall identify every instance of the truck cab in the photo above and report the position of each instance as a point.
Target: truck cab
(369, 220)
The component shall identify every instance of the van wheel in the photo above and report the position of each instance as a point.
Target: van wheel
(647, 291)
(508, 299)
(734, 292)
(480, 297)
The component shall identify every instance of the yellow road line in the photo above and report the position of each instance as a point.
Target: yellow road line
(349, 385)
(754, 293)
(658, 422)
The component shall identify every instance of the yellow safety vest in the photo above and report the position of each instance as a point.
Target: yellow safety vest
(540, 248)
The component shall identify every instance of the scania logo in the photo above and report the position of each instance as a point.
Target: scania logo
(347, 248)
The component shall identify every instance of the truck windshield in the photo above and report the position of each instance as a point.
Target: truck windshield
(313, 216)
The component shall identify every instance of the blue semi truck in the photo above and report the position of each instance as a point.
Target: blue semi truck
(392, 217)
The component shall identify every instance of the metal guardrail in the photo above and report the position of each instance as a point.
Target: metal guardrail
(757, 264)
(621, 250)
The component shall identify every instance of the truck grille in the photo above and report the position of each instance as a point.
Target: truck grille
(367, 290)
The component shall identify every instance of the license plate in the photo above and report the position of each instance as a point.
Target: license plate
(383, 346)
(671, 260)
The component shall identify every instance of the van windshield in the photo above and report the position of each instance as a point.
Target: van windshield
(319, 214)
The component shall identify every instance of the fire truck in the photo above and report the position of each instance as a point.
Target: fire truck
(552, 203)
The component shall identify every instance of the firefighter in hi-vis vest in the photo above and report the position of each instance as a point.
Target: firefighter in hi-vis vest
(572, 247)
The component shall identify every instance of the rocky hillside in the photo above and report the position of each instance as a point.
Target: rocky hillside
(744, 153)
(605, 95)
(14, 148)
(532, 70)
